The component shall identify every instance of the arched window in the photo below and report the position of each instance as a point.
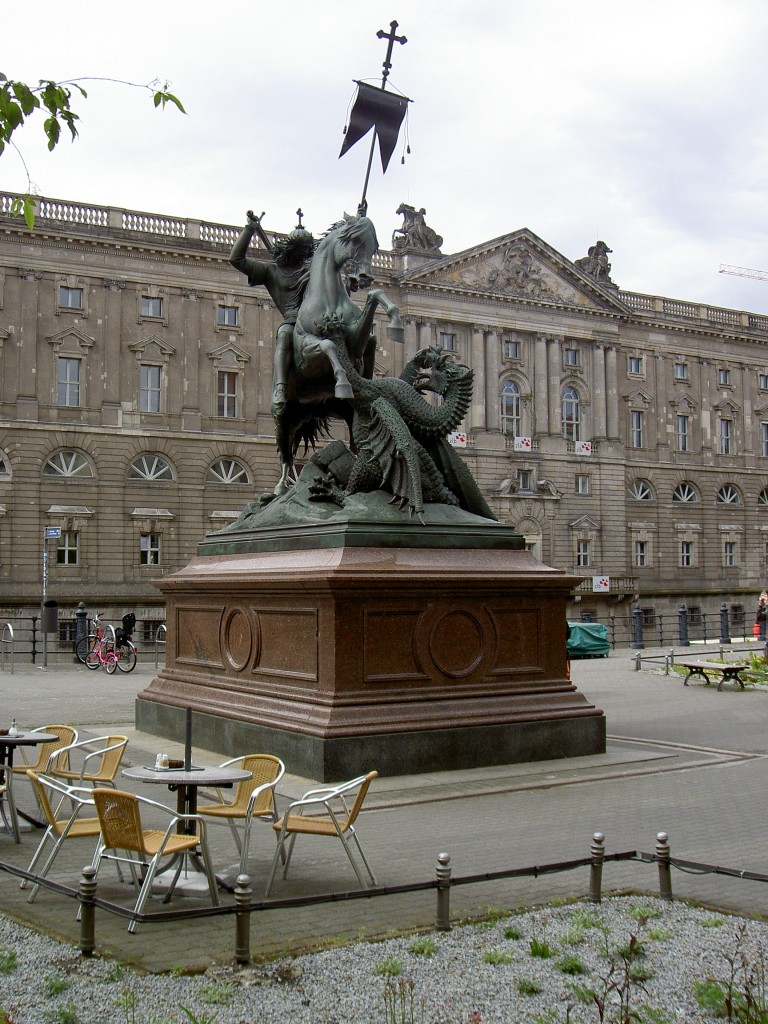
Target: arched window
(571, 414)
(227, 471)
(762, 498)
(640, 490)
(150, 467)
(685, 492)
(67, 463)
(728, 495)
(510, 409)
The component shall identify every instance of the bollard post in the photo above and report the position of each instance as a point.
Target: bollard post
(638, 662)
(682, 625)
(86, 896)
(443, 872)
(725, 635)
(597, 850)
(243, 894)
(665, 869)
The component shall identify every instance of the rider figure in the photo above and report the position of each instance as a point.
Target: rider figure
(285, 278)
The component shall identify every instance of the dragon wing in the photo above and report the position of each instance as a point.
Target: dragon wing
(391, 444)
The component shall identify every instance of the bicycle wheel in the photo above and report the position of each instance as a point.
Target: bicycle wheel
(110, 662)
(87, 650)
(126, 657)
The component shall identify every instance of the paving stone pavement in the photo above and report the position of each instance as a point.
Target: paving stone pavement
(690, 761)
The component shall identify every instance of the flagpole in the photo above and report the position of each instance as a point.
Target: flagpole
(387, 64)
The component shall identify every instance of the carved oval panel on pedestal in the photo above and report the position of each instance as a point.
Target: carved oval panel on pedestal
(456, 644)
(236, 638)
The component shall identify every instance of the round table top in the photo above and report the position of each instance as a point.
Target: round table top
(27, 738)
(213, 776)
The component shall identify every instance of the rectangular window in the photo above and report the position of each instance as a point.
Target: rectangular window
(635, 364)
(66, 549)
(226, 316)
(641, 553)
(582, 483)
(724, 377)
(151, 306)
(511, 349)
(681, 371)
(149, 549)
(571, 357)
(682, 424)
(227, 393)
(150, 378)
(764, 439)
(763, 381)
(726, 428)
(686, 554)
(524, 480)
(68, 381)
(730, 552)
(447, 341)
(636, 428)
(582, 554)
(70, 298)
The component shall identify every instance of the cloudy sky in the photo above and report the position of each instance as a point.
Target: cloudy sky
(643, 124)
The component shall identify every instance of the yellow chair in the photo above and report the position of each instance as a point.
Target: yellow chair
(7, 806)
(72, 826)
(324, 812)
(99, 766)
(121, 829)
(254, 798)
(66, 735)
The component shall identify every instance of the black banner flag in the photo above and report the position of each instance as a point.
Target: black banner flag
(376, 108)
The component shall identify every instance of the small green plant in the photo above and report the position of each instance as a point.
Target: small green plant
(643, 912)
(541, 948)
(656, 934)
(424, 946)
(710, 995)
(199, 1020)
(527, 987)
(391, 967)
(64, 1014)
(400, 1002)
(8, 961)
(513, 932)
(126, 1002)
(496, 914)
(570, 964)
(586, 917)
(712, 922)
(640, 973)
(497, 956)
(56, 985)
(632, 949)
(573, 936)
(217, 992)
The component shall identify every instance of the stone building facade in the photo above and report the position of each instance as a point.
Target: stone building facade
(624, 435)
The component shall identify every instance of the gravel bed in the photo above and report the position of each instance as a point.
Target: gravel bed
(451, 974)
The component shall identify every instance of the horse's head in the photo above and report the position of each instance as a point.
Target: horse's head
(355, 245)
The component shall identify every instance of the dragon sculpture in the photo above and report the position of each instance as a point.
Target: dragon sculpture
(400, 439)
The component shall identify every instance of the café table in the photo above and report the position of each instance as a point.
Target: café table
(8, 746)
(186, 784)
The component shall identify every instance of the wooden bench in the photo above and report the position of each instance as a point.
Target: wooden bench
(729, 671)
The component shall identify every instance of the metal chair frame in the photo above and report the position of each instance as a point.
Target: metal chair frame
(338, 820)
(253, 799)
(107, 757)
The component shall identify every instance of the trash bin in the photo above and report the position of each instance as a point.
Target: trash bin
(50, 623)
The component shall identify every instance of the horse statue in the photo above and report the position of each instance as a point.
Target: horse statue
(318, 385)
(415, 232)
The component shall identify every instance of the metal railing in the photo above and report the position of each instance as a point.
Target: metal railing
(6, 646)
(442, 883)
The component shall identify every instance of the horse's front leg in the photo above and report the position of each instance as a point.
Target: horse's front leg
(395, 330)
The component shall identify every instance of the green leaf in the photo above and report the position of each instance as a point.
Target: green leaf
(81, 90)
(173, 99)
(29, 212)
(158, 98)
(25, 96)
(16, 206)
(69, 118)
(53, 131)
(12, 114)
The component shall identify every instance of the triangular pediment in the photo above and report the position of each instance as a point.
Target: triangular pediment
(584, 523)
(153, 346)
(229, 355)
(71, 335)
(518, 266)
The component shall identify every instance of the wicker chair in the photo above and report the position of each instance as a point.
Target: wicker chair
(72, 826)
(7, 805)
(66, 735)
(254, 798)
(324, 812)
(100, 764)
(121, 829)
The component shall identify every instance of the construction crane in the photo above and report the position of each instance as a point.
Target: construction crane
(758, 275)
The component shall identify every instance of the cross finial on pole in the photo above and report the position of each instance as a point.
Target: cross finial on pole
(393, 38)
(299, 214)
